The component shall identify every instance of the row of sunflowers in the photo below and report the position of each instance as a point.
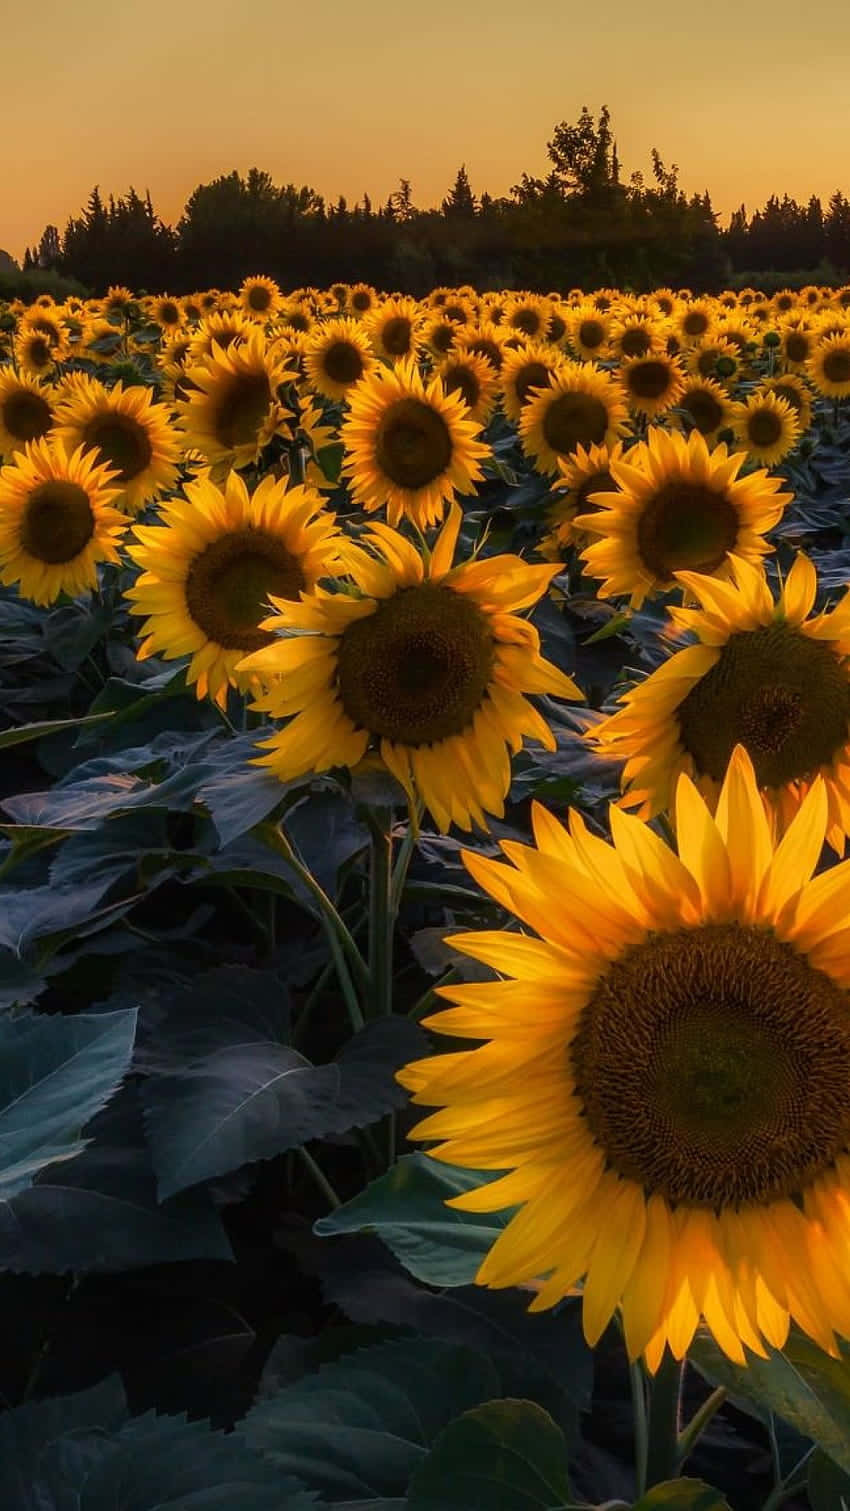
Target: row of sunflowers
(397, 539)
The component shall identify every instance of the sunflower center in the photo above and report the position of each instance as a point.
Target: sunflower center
(781, 693)
(591, 333)
(413, 445)
(574, 419)
(706, 361)
(695, 323)
(361, 300)
(259, 298)
(530, 375)
(557, 328)
(791, 395)
(703, 408)
(442, 337)
(40, 351)
(416, 671)
(528, 321)
(343, 362)
(635, 342)
(764, 427)
(796, 347)
(396, 334)
(122, 442)
(58, 522)
(242, 410)
(483, 347)
(712, 1066)
(463, 381)
(649, 380)
(169, 313)
(836, 366)
(26, 416)
(228, 584)
(686, 527)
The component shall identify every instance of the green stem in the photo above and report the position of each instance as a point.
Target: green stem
(275, 838)
(663, 1426)
(699, 1421)
(381, 916)
(344, 977)
(405, 856)
(636, 1377)
(319, 1177)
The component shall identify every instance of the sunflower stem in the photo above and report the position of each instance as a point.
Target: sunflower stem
(340, 938)
(640, 1419)
(381, 911)
(319, 1177)
(699, 1421)
(663, 1425)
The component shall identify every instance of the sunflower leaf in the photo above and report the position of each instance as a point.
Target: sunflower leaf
(503, 1453)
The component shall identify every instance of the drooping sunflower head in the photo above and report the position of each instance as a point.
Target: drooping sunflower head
(235, 409)
(260, 297)
(766, 426)
(429, 666)
(653, 383)
(680, 508)
(117, 302)
(212, 564)
(767, 675)
(663, 1075)
(582, 406)
(56, 521)
(473, 378)
(337, 354)
(829, 366)
(128, 431)
(705, 406)
(409, 445)
(26, 410)
(394, 328)
(524, 372)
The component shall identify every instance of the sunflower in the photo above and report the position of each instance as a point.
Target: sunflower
(681, 507)
(589, 332)
(127, 430)
(664, 300)
(34, 352)
(829, 367)
(783, 301)
(653, 384)
(584, 473)
(56, 521)
(337, 354)
(394, 328)
(766, 426)
(409, 446)
(582, 406)
(221, 330)
(796, 344)
(705, 406)
(260, 297)
(118, 301)
(167, 314)
(764, 675)
(473, 378)
(50, 323)
(439, 336)
(693, 320)
(558, 325)
(190, 304)
(212, 563)
(235, 409)
(793, 388)
(665, 1075)
(484, 338)
(525, 371)
(361, 298)
(429, 664)
(738, 331)
(528, 314)
(713, 357)
(637, 335)
(26, 410)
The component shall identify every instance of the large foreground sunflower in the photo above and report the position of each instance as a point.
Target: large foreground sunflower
(126, 430)
(680, 507)
(212, 564)
(764, 675)
(409, 445)
(430, 666)
(56, 521)
(665, 1081)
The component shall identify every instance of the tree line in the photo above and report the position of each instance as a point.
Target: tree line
(582, 225)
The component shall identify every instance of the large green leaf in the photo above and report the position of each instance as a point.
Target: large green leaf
(24, 732)
(801, 1383)
(827, 1486)
(502, 1454)
(55, 1074)
(81, 1452)
(406, 1207)
(359, 1427)
(682, 1495)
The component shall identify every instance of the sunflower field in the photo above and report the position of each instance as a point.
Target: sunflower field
(424, 920)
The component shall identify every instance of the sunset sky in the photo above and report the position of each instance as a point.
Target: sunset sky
(749, 99)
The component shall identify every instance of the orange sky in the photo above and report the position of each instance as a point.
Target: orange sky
(750, 99)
